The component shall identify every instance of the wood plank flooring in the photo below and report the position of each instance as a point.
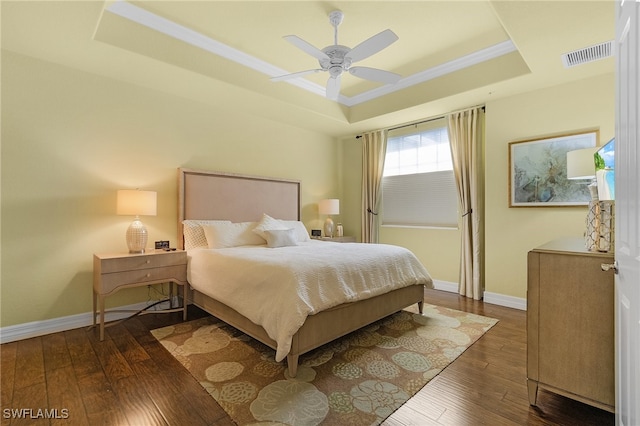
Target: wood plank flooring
(129, 379)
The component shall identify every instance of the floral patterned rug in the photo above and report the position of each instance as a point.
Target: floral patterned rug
(359, 379)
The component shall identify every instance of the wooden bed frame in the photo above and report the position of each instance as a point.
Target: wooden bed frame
(240, 198)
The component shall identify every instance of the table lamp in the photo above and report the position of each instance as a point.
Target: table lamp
(329, 207)
(581, 165)
(134, 202)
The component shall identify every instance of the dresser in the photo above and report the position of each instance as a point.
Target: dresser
(114, 272)
(570, 323)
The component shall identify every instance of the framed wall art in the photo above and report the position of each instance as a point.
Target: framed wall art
(538, 171)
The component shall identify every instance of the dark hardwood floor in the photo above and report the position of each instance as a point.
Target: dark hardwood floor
(130, 379)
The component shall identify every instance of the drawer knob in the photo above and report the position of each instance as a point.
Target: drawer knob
(148, 261)
(148, 275)
(610, 266)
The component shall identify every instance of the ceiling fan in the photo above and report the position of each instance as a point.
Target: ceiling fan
(337, 59)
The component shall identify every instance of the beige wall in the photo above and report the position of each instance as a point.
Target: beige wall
(71, 139)
(510, 232)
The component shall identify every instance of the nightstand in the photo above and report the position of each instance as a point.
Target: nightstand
(344, 239)
(113, 272)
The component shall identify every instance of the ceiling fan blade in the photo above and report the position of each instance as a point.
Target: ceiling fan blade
(306, 47)
(333, 88)
(295, 75)
(372, 45)
(375, 74)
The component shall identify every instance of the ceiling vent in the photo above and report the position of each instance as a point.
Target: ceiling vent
(588, 54)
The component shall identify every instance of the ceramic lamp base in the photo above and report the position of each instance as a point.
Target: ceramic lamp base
(328, 228)
(137, 237)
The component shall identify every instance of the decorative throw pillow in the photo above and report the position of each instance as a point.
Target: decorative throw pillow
(223, 235)
(194, 234)
(281, 237)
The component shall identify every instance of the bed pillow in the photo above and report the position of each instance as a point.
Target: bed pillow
(267, 223)
(281, 237)
(223, 235)
(194, 234)
(302, 234)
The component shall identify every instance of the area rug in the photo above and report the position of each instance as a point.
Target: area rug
(359, 379)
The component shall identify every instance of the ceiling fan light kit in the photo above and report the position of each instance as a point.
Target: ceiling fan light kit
(336, 59)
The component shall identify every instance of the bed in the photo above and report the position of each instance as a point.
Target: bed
(225, 201)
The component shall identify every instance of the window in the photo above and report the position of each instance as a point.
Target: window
(418, 186)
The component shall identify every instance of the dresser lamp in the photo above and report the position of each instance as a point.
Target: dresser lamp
(329, 207)
(133, 202)
(580, 163)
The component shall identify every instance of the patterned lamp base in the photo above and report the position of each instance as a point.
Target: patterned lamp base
(137, 236)
(600, 234)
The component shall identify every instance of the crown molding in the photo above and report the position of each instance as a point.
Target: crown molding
(165, 26)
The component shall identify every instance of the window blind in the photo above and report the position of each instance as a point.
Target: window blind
(420, 199)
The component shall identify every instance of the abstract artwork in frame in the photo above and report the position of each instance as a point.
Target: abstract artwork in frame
(538, 171)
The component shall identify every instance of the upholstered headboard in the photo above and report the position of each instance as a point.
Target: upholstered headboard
(238, 198)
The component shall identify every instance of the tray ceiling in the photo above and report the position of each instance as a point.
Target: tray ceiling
(451, 54)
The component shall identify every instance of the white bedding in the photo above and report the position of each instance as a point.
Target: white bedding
(278, 288)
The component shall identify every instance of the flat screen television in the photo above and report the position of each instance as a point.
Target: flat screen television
(605, 171)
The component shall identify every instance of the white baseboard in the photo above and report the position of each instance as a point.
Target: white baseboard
(38, 328)
(445, 286)
(27, 330)
(488, 297)
(504, 300)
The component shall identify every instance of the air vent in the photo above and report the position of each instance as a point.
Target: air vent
(588, 54)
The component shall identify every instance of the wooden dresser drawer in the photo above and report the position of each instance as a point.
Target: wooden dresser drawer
(570, 323)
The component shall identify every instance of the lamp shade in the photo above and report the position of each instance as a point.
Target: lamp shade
(329, 206)
(134, 202)
(580, 163)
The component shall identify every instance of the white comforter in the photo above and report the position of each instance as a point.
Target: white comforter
(278, 288)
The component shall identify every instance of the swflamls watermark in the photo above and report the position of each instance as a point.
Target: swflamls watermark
(35, 413)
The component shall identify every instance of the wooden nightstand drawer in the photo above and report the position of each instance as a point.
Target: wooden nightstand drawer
(141, 276)
(344, 239)
(112, 272)
(106, 264)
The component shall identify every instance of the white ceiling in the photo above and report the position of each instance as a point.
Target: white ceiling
(451, 54)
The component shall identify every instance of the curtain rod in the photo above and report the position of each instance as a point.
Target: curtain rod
(425, 121)
(416, 123)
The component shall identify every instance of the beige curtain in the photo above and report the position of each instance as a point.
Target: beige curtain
(374, 147)
(465, 137)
